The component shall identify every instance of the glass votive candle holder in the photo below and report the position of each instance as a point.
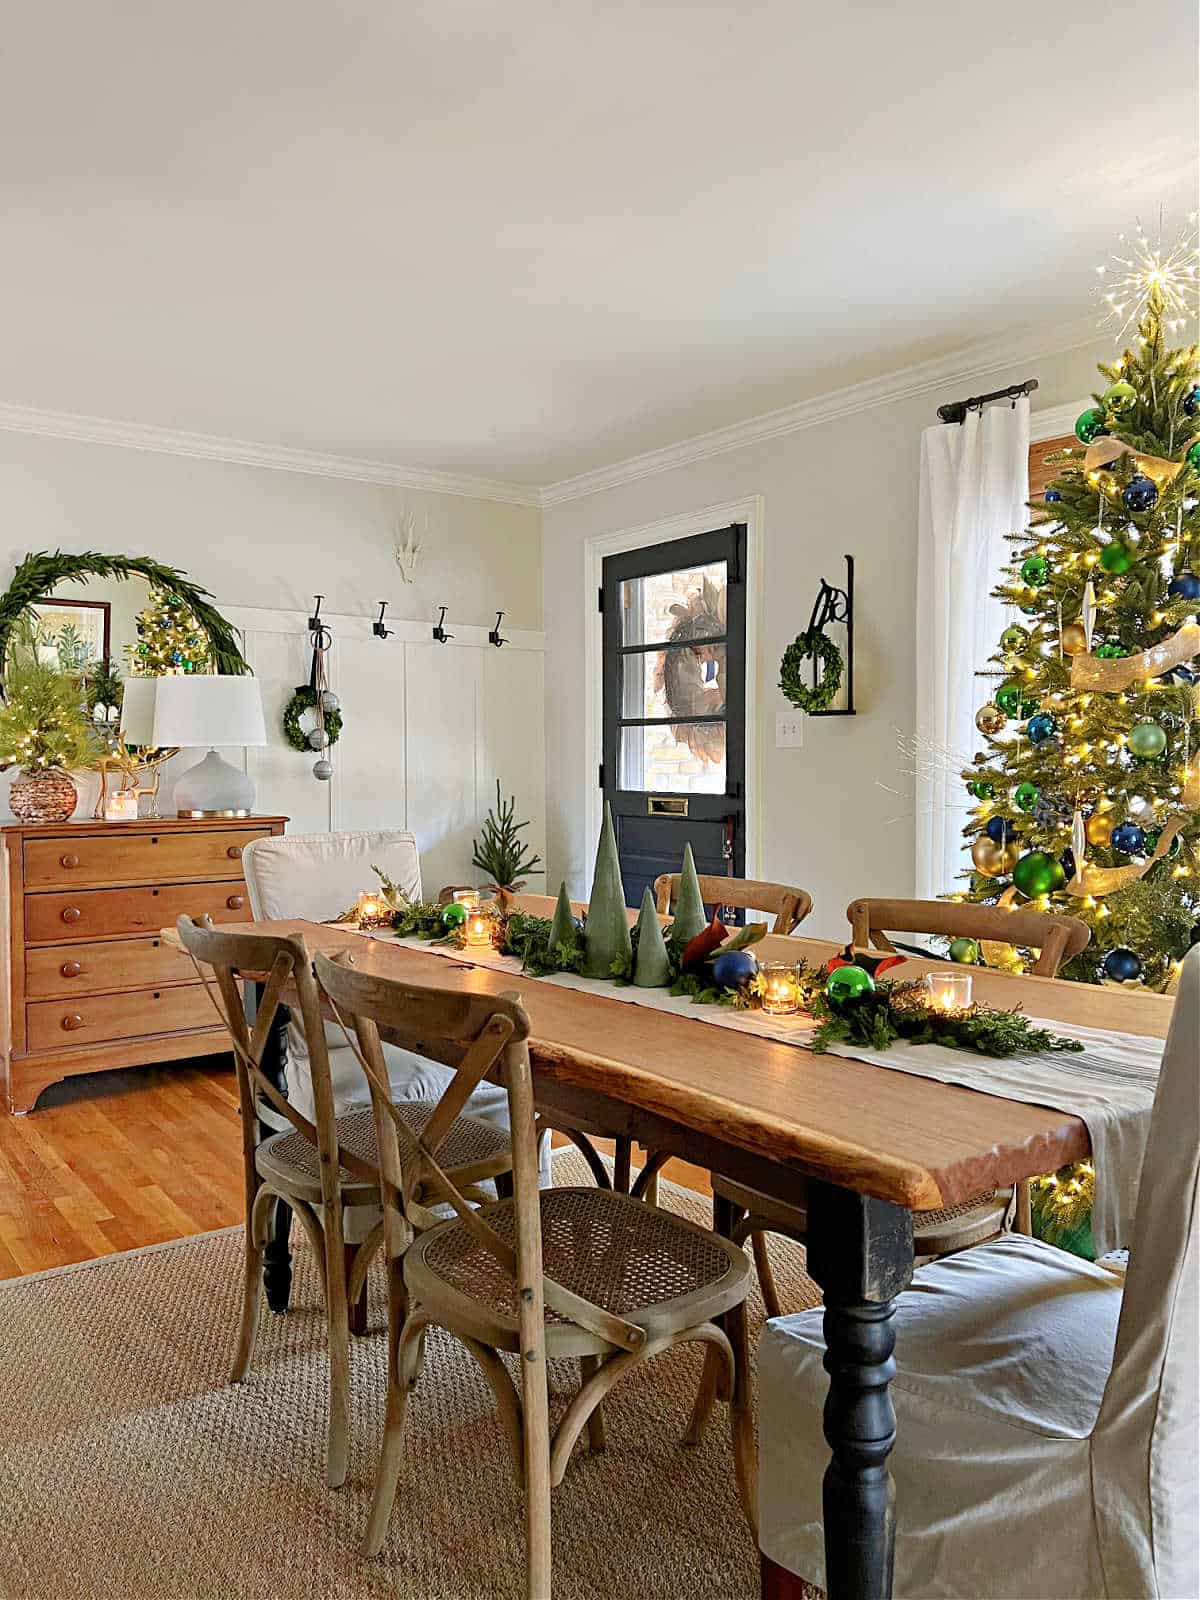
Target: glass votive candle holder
(469, 899)
(477, 930)
(121, 806)
(373, 910)
(781, 988)
(948, 991)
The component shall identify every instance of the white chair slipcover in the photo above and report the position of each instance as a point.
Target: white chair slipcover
(317, 876)
(1047, 1412)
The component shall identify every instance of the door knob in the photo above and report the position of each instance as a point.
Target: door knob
(236, 902)
(71, 969)
(71, 914)
(72, 1022)
(68, 861)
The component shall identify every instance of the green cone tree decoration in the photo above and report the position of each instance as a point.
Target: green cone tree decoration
(690, 915)
(652, 969)
(607, 925)
(562, 928)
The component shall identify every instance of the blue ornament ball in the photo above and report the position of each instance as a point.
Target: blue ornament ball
(1122, 965)
(1184, 586)
(1053, 496)
(1000, 830)
(1129, 839)
(1139, 494)
(733, 967)
(1067, 862)
(1191, 402)
(1041, 728)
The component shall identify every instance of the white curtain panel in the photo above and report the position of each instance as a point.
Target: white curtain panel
(974, 488)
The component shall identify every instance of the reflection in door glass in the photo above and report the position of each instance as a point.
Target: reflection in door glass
(668, 607)
(688, 680)
(674, 760)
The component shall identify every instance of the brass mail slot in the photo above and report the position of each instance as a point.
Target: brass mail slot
(662, 805)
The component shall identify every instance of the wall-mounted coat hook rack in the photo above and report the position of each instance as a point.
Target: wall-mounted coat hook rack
(494, 635)
(377, 628)
(439, 630)
(314, 622)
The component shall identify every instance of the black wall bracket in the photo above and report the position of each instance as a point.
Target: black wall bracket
(439, 627)
(378, 628)
(837, 605)
(494, 635)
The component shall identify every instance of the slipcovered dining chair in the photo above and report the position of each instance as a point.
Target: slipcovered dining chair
(787, 905)
(323, 1166)
(579, 1273)
(1046, 1412)
(750, 1215)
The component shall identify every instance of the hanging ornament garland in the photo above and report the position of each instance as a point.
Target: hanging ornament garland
(317, 697)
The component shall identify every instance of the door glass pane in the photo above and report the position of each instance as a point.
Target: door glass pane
(668, 607)
(683, 759)
(684, 681)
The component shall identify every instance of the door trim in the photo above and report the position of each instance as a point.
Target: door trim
(682, 526)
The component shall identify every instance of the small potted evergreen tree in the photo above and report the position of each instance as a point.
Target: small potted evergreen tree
(500, 851)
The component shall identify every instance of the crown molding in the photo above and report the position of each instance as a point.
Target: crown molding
(965, 365)
(241, 452)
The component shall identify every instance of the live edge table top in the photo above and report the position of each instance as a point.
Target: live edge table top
(910, 1140)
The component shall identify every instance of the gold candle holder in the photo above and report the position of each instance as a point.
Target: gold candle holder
(373, 910)
(949, 992)
(478, 930)
(781, 989)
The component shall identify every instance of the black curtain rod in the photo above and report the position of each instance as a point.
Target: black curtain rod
(956, 410)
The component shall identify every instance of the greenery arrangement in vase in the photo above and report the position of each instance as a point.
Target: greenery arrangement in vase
(45, 731)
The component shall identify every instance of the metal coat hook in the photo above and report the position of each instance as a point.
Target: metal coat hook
(494, 635)
(314, 622)
(439, 631)
(377, 628)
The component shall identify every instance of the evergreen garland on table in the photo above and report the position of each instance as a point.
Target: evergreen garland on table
(892, 1011)
(812, 645)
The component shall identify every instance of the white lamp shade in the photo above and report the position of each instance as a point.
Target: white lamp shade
(137, 710)
(200, 709)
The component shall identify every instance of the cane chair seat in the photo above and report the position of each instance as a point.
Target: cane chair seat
(472, 1149)
(651, 1267)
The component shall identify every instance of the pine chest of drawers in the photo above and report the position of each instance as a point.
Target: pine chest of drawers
(89, 985)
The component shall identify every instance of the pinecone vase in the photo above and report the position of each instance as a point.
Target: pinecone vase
(43, 797)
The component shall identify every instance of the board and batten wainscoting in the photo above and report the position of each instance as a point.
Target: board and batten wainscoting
(428, 730)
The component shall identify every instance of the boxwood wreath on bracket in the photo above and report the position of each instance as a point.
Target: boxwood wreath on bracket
(41, 573)
(811, 645)
(305, 699)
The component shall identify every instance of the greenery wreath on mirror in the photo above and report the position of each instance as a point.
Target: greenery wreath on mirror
(41, 573)
(305, 699)
(812, 645)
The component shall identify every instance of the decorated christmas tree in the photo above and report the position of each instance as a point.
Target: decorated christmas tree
(170, 639)
(1088, 789)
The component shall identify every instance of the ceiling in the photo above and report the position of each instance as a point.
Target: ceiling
(524, 241)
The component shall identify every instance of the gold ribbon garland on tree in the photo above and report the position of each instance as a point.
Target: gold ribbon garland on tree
(1110, 676)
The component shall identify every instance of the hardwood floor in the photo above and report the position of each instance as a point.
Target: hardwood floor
(116, 1160)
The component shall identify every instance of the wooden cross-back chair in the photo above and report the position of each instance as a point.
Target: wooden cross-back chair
(582, 1273)
(789, 906)
(320, 1166)
(1056, 938)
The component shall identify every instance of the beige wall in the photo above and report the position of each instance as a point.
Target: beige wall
(845, 485)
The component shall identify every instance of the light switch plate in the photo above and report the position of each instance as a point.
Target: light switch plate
(789, 730)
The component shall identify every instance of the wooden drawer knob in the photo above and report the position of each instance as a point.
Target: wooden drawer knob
(234, 852)
(72, 1022)
(71, 914)
(236, 902)
(71, 969)
(68, 861)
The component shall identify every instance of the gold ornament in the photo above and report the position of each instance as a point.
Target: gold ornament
(1074, 639)
(1098, 829)
(990, 719)
(992, 859)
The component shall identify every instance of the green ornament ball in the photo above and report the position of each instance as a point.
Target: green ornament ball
(1115, 558)
(1027, 795)
(1008, 698)
(1147, 740)
(848, 983)
(1193, 456)
(1035, 570)
(1120, 397)
(1089, 425)
(1035, 874)
(1014, 638)
(454, 915)
(980, 788)
(1111, 652)
(964, 951)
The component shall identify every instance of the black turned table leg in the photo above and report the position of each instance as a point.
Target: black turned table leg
(277, 1257)
(861, 1253)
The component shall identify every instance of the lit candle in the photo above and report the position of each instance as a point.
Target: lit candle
(121, 806)
(373, 911)
(478, 928)
(949, 991)
(781, 989)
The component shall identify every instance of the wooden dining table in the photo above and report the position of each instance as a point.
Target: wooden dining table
(862, 1147)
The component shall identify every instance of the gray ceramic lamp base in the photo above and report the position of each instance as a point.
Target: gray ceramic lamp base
(213, 788)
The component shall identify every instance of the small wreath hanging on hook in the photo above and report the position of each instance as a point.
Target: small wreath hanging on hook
(315, 696)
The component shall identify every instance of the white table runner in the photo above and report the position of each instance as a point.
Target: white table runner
(1109, 1085)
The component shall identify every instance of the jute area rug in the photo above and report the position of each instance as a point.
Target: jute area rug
(130, 1469)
